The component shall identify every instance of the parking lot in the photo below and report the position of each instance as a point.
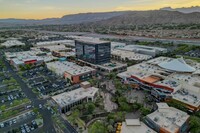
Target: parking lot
(16, 112)
(45, 82)
(23, 123)
(193, 53)
(6, 98)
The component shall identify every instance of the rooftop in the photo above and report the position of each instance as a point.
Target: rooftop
(65, 42)
(61, 67)
(60, 47)
(130, 55)
(188, 94)
(34, 54)
(150, 72)
(142, 47)
(112, 65)
(177, 65)
(12, 42)
(135, 126)
(169, 118)
(67, 98)
(92, 41)
(115, 45)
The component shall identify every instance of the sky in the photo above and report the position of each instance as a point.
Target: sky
(39, 9)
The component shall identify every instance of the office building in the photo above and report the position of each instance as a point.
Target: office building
(67, 100)
(71, 71)
(152, 51)
(168, 120)
(93, 51)
(122, 55)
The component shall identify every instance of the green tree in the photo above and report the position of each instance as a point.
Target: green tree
(35, 110)
(3, 107)
(93, 82)
(97, 127)
(194, 124)
(111, 121)
(90, 107)
(145, 111)
(112, 75)
(89, 117)
(136, 106)
(110, 128)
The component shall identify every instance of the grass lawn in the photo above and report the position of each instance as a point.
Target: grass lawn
(39, 121)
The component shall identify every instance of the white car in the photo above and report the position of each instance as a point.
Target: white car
(10, 122)
(40, 106)
(14, 121)
(2, 125)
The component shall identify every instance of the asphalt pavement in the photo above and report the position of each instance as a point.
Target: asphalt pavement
(46, 114)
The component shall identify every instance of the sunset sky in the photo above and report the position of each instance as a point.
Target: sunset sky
(38, 9)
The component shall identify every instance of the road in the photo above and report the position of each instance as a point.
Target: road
(109, 36)
(46, 114)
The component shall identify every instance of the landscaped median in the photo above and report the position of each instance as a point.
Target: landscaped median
(18, 107)
(58, 123)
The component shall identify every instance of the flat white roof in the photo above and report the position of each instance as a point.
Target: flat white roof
(61, 67)
(12, 42)
(188, 94)
(132, 122)
(169, 118)
(142, 128)
(21, 57)
(142, 47)
(68, 98)
(55, 47)
(65, 42)
(130, 55)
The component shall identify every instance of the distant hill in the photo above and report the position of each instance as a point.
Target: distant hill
(112, 18)
(152, 17)
(67, 19)
(183, 9)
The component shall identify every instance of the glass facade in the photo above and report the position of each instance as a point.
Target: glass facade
(79, 50)
(103, 55)
(93, 53)
(89, 53)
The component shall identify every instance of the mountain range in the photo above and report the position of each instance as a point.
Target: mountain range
(164, 15)
(183, 9)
